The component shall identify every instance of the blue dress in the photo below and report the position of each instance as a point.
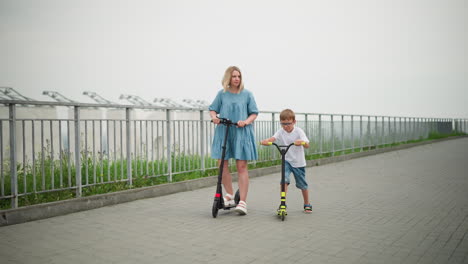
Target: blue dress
(241, 143)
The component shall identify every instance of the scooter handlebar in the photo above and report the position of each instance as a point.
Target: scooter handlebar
(284, 146)
(225, 121)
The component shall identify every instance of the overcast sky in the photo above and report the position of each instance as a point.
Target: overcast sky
(394, 57)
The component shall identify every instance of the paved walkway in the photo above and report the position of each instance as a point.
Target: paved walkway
(406, 206)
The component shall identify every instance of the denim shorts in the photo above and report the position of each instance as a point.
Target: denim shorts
(299, 176)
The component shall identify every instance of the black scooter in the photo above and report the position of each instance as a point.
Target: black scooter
(218, 199)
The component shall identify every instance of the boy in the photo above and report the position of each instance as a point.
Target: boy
(295, 159)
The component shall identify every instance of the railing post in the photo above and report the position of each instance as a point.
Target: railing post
(383, 131)
(320, 135)
(306, 127)
(419, 127)
(77, 152)
(428, 122)
(410, 128)
(390, 134)
(332, 136)
(13, 172)
(342, 134)
(368, 132)
(128, 143)
(202, 142)
(352, 133)
(306, 130)
(273, 132)
(399, 130)
(376, 140)
(406, 130)
(360, 132)
(416, 127)
(272, 123)
(169, 146)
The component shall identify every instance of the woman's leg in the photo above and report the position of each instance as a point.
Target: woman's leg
(243, 175)
(227, 178)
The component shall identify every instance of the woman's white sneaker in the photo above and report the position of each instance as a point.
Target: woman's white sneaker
(241, 208)
(229, 201)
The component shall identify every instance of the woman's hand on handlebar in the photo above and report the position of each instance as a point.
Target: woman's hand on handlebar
(241, 123)
(215, 120)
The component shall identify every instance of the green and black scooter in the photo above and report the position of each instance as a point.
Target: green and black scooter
(283, 149)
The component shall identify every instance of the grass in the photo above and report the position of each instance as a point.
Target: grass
(105, 176)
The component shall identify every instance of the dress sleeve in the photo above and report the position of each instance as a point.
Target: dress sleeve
(252, 105)
(216, 105)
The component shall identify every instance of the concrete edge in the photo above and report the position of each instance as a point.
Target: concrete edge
(47, 210)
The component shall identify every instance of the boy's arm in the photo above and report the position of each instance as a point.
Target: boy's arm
(302, 138)
(265, 141)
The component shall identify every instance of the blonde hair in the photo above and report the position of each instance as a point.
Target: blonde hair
(227, 78)
(287, 114)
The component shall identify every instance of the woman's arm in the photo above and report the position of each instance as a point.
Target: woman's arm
(248, 121)
(214, 117)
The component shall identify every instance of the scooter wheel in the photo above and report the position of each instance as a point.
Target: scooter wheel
(283, 215)
(237, 197)
(215, 209)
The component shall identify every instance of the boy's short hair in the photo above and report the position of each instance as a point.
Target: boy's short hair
(287, 114)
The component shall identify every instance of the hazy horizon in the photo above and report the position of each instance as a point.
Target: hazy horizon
(391, 58)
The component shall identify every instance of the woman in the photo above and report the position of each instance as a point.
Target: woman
(238, 105)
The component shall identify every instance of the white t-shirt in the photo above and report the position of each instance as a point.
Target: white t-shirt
(295, 155)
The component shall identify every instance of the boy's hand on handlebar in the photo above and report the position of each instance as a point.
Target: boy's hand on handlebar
(265, 142)
(299, 142)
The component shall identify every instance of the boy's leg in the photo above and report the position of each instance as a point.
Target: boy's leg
(301, 183)
(287, 178)
(305, 195)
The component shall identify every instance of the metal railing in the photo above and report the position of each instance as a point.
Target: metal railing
(54, 146)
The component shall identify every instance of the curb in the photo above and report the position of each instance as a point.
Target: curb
(47, 210)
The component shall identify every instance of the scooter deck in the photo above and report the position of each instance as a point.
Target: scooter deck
(229, 207)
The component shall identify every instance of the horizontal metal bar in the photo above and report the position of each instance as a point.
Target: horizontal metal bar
(47, 103)
(190, 109)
